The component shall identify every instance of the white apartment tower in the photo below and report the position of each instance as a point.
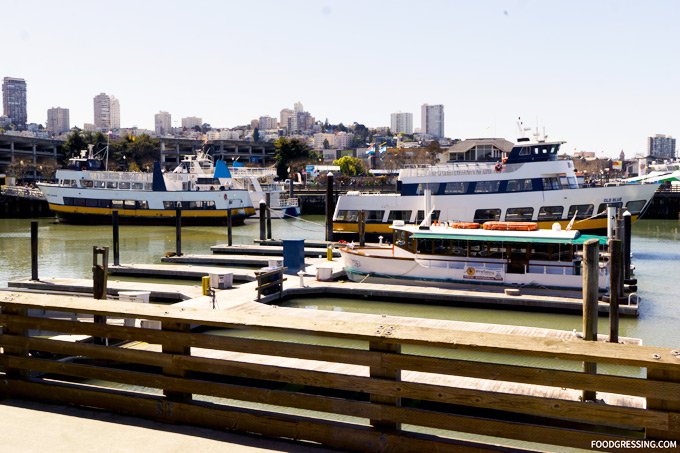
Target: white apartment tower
(298, 107)
(267, 123)
(163, 123)
(115, 113)
(401, 122)
(102, 112)
(191, 121)
(432, 120)
(57, 121)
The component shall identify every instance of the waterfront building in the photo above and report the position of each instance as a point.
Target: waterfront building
(14, 101)
(343, 140)
(661, 146)
(115, 113)
(191, 121)
(102, 112)
(267, 123)
(320, 138)
(162, 123)
(432, 120)
(401, 122)
(58, 121)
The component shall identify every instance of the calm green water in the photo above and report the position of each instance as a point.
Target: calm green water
(66, 251)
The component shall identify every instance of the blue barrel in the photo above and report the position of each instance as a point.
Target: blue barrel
(294, 255)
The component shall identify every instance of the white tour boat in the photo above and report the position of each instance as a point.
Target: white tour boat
(530, 185)
(499, 253)
(87, 193)
(260, 181)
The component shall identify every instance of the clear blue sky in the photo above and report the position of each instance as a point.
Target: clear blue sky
(601, 75)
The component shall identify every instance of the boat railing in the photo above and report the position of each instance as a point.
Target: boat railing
(288, 202)
(119, 176)
(243, 172)
(22, 192)
(528, 268)
(463, 169)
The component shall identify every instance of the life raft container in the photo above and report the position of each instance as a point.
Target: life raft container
(510, 226)
(464, 225)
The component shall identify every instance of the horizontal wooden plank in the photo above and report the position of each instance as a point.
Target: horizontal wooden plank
(330, 433)
(550, 407)
(350, 328)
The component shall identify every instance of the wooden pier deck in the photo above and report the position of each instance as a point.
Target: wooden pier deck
(179, 271)
(271, 250)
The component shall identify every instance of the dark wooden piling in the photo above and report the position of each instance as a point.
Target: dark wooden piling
(263, 215)
(361, 221)
(268, 201)
(291, 185)
(34, 251)
(615, 287)
(591, 252)
(627, 225)
(99, 283)
(178, 231)
(329, 207)
(229, 236)
(116, 239)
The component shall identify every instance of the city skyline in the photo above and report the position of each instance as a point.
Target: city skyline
(578, 68)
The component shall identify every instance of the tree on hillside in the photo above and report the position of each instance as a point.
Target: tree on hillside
(326, 145)
(75, 142)
(292, 154)
(350, 166)
(256, 135)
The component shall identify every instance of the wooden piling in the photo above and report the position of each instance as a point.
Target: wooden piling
(268, 201)
(591, 252)
(116, 239)
(34, 251)
(229, 236)
(178, 231)
(384, 371)
(627, 225)
(329, 207)
(99, 283)
(361, 220)
(615, 287)
(263, 226)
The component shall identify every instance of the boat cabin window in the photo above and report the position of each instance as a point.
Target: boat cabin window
(484, 215)
(169, 205)
(402, 239)
(117, 204)
(374, 216)
(603, 206)
(425, 246)
(525, 151)
(91, 203)
(487, 186)
(148, 186)
(552, 183)
(142, 204)
(124, 185)
(100, 184)
(421, 216)
(582, 211)
(550, 213)
(459, 247)
(477, 249)
(496, 251)
(456, 187)
(433, 186)
(137, 185)
(130, 204)
(86, 183)
(635, 207)
(573, 184)
(104, 203)
(519, 214)
(399, 215)
(519, 185)
(111, 184)
(347, 216)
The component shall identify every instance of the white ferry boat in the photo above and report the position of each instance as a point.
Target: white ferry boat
(259, 181)
(514, 254)
(86, 193)
(530, 185)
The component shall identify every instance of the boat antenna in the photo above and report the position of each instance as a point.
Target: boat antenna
(108, 142)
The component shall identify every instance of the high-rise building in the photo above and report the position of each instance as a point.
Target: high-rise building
(432, 120)
(401, 122)
(288, 119)
(14, 101)
(661, 146)
(57, 121)
(102, 112)
(267, 122)
(115, 113)
(298, 107)
(191, 121)
(163, 123)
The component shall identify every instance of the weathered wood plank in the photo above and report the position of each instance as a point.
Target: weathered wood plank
(673, 433)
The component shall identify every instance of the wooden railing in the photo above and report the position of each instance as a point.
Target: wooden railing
(359, 401)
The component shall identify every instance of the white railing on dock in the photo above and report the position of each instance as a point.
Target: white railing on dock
(22, 192)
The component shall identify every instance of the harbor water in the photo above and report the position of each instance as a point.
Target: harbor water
(65, 251)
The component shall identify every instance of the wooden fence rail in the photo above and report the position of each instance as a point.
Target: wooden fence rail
(371, 397)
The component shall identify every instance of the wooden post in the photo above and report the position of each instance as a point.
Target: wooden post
(591, 252)
(268, 201)
(664, 405)
(263, 215)
(627, 225)
(99, 280)
(329, 207)
(615, 281)
(34, 251)
(291, 184)
(116, 239)
(178, 230)
(383, 372)
(229, 225)
(176, 370)
(361, 221)
(9, 329)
